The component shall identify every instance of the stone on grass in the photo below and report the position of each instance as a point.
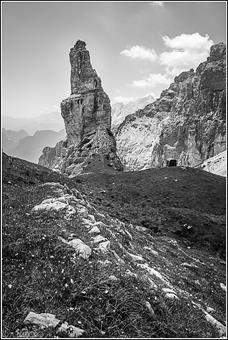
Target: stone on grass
(220, 327)
(94, 230)
(139, 228)
(223, 286)
(104, 246)
(113, 278)
(99, 239)
(43, 320)
(83, 212)
(70, 331)
(150, 309)
(188, 265)
(50, 204)
(81, 248)
(171, 296)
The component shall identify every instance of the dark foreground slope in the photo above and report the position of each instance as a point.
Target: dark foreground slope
(167, 201)
(124, 281)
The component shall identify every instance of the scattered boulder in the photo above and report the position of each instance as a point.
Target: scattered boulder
(223, 286)
(99, 239)
(70, 331)
(94, 230)
(81, 248)
(43, 320)
(150, 309)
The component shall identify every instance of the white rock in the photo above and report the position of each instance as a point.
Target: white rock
(139, 228)
(171, 296)
(154, 252)
(188, 265)
(220, 327)
(129, 235)
(104, 263)
(113, 278)
(223, 286)
(101, 215)
(210, 309)
(87, 223)
(150, 309)
(130, 273)
(100, 224)
(50, 204)
(104, 246)
(153, 272)
(43, 320)
(83, 212)
(94, 230)
(81, 248)
(99, 239)
(71, 331)
(136, 257)
(168, 290)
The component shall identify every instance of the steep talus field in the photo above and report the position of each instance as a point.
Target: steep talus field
(100, 266)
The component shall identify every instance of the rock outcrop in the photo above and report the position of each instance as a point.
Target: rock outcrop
(216, 165)
(187, 123)
(90, 145)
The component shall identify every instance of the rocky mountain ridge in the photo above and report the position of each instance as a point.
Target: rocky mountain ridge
(90, 144)
(29, 147)
(49, 121)
(187, 123)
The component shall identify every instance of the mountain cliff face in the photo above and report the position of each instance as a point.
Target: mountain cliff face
(120, 110)
(187, 122)
(90, 144)
(216, 164)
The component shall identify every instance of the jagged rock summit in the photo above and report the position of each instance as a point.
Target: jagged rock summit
(187, 123)
(90, 145)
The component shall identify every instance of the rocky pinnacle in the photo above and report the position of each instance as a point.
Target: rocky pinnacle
(90, 144)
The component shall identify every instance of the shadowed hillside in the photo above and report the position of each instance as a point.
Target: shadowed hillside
(129, 255)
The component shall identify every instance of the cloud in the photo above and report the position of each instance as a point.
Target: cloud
(157, 3)
(140, 52)
(188, 51)
(48, 109)
(152, 81)
(124, 100)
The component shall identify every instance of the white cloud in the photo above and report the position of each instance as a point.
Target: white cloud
(157, 3)
(140, 52)
(49, 109)
(124, 100)
(188, 51)
(152, 81)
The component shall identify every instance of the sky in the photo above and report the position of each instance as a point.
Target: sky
(137, 48)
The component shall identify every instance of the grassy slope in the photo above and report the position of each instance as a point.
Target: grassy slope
(44, 279)
(163, 200)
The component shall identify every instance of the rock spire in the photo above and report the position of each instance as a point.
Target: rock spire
(90, 145)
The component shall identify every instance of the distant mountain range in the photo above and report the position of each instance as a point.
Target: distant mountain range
(51, 121)
(11, 138)
(21, 145)
(26, 137)
(54, 121)
(121, 110)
